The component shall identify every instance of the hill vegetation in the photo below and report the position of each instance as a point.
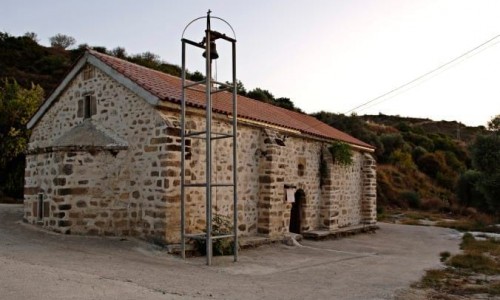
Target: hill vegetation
(422, 164)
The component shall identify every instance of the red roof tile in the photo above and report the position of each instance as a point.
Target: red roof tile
(168, 88)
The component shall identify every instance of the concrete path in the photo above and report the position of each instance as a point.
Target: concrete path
(35, 264)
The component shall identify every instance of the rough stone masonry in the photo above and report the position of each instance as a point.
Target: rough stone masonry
(103, 161)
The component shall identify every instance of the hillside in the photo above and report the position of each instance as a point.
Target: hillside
(452, 129)
(419, 160)
(28, 62)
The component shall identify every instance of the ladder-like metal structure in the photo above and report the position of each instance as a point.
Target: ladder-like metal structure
(209, 136)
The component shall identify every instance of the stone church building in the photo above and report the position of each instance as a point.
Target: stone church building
(105, 150)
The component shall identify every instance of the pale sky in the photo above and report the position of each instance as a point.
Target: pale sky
(330, 55)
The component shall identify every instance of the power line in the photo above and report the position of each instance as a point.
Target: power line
(426, 74)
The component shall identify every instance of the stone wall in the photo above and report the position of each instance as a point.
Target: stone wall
(222, 172)
(135, 189)
(82, 192)
(348, 191)
(128, 184)
(294, 162)
(369, 199)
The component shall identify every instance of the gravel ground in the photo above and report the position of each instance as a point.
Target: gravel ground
(35, 264)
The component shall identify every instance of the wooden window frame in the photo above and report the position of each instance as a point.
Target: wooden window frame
(89, 106)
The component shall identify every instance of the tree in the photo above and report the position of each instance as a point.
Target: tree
(147, 59)
(467, 193)
(486, 154)
(285, 103)
(119, 52)
(494, 124)
(150, 57)
(486, 159)
(62, 41)
(4, 36)
(261, 95)
(240, 88)
(196, 76)
(32, 36)
(100, 49)
(17, 105)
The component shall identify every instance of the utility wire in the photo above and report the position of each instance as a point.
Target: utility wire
(425, 74)
(429, 77)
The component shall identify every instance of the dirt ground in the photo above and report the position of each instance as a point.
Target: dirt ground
(35, 264)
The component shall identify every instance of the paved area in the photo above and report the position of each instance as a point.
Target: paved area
(35, 264)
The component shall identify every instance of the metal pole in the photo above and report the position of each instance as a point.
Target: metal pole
(235, 158)
(183, 152)
(208, 142)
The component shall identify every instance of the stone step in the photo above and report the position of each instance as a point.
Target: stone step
(315, 234)
(321, 234)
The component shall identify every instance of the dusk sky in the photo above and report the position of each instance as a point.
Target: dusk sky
(324, 55)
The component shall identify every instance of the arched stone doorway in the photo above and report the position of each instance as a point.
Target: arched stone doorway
(296, 213)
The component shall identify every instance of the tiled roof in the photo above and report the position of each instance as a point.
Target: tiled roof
(168, 88)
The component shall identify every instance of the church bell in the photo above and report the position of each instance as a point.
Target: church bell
(213, 51)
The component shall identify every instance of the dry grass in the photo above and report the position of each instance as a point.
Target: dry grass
(393, 181)
(470, 224)
(434, 279)
(411, 217)
(473, 262)
(410, 222)
(475, 271)
(473, 222)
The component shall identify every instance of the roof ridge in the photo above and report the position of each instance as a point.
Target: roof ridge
(94, 52)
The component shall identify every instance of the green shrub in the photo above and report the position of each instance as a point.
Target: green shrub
(446, 180)
(453, 162)
(341, 153)
(403, 126)
(412, 198)
(391, 142)
(221, 225)
(444, 256)
(430, 164)
(474, 262)
(418, 152)
(467, 192)
(402, 160)
(419, 140)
